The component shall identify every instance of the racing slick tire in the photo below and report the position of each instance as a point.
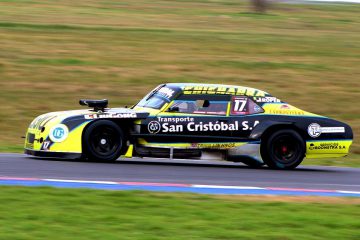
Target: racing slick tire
(103, 141)
(283, 149)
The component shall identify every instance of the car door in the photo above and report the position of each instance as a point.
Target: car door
(192, 119)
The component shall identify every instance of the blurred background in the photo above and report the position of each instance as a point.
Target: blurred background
(52, 53)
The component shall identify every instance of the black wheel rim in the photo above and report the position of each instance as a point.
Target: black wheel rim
(105, 140)
(286, 149)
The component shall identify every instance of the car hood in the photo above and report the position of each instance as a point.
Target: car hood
(88, 114)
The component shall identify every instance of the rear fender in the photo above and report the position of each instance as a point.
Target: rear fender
(264, 127)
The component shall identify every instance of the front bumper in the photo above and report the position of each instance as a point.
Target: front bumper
(47, 154)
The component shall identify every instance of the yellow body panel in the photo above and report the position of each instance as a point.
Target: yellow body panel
(285, 109)
(72, 143)
(327, 148)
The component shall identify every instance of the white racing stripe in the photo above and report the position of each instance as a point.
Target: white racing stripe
(200, 187)
(193, 185)
(349, 192)
(79, 181)
(225, 187)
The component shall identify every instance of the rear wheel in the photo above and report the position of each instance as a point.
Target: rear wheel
(104, 141)
(283, 149)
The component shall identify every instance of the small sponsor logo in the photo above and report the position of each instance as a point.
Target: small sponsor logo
(266, 99)
(58, 133)
(257, 109)
(213, 145)
(154, 127)
(315, 130)
(326, 146)
(286, 112)
(110, 115)
(332, 130)
(285, 106)
(167, 92)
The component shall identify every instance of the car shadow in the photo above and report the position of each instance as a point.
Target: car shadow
(190, 163)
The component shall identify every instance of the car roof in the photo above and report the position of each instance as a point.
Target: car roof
(204, 86)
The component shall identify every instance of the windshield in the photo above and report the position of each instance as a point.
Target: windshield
(158, 97)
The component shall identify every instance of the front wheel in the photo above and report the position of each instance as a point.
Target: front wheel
(283, 149)
(103, 141)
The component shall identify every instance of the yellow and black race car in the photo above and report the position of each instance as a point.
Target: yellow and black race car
(181, 120)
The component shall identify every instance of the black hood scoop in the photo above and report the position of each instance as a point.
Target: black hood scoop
(98, 105)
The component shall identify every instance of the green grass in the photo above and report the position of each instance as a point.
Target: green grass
(352, 160)
(54, 52)
(48, 213)
(12, 148)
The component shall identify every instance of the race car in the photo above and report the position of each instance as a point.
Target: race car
(191, 121)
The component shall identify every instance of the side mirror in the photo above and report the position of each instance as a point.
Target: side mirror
(173, 109)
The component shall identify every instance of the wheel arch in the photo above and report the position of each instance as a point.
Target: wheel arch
(124, 124)
(90, 153)
(264, 129)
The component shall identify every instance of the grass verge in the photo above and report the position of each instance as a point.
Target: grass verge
(48, 213)
(352, 160)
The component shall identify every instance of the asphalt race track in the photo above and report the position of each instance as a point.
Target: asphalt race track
(181, 172)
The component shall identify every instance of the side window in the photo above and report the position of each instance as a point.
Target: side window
(211, 107)
(244, 106)
(201, 105)
(184, 106)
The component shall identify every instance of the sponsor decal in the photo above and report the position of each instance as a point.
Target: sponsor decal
(257, 109)
(39, 120)
(110, 115)
(154, 127)
(175, 120)
(223, 90)
(217, 126)
(58, 133)
(326, 146)
(284, 106)
(315, 130)
(169, 127)
(332, 130)
(167, 92)
(213, 145)
(286, 112)
(266, 99)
